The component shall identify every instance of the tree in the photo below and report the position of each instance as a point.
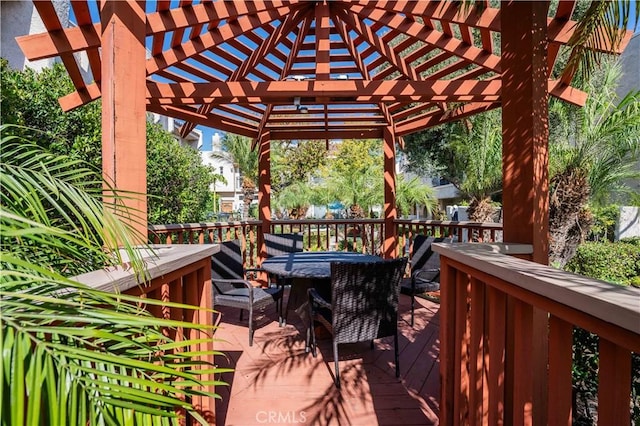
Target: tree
(178, 181)
(237, 151)
(355, 175)
(30, 99)
(594, 150)
(468, 154)
(292, 166)
(412, 192)
(72, 354)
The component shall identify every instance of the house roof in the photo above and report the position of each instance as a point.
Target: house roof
(309, 69)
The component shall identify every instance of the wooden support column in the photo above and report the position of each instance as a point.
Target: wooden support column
(525, 190)
(264, 192)
(123, 106)
(389, 248)
(525, 130)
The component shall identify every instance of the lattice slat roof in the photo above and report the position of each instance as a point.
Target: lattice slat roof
(354, 66)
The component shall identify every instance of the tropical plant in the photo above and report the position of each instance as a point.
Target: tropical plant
(412, 192)
(468, 154)
(178, 181)
(295, 199)
(593, 152)
(237, 151)
(73, 355)
(355, 176)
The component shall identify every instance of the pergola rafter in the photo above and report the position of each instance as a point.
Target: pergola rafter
(443, 52)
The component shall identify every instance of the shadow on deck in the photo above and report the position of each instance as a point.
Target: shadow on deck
(276, 382)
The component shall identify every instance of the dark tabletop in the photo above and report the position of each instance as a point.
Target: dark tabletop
(312, 264)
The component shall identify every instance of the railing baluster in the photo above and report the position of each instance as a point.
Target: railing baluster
(614, 386)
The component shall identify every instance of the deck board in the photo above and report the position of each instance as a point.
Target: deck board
(276, 382)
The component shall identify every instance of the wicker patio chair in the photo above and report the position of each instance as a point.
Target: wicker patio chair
(278, 244)
(425, 269)
(363, 307)
(232, 289)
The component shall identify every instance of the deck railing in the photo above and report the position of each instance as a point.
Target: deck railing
(362, 235)
(506, 338)
(180, 275)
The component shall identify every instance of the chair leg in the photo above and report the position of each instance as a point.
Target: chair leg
(241, 314)
(413, 299)
(335, 357)
(397, 355)
(251, 326)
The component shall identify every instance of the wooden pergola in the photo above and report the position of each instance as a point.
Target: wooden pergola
(277, 70)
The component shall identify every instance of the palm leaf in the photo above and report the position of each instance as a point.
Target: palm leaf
(88, 356)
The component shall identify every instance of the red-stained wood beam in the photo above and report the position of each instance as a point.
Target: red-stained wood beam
(337, 90)
(437, 117)
(123, 109)
(389, 247)
(297, 134)
(249, 64)
(372, 38)
(205, 120)
(211, 13)
(60, 41)
(158, 37)
(357, 58)
(525, 127)
(83, 18)
(323, 43)
(217, 36)
(440, 40)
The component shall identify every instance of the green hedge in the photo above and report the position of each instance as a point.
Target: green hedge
(617, 263)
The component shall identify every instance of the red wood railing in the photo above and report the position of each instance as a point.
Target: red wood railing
(506, 339)
(363, 235)
(179, 275)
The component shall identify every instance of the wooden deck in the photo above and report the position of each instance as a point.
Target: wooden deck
(276, 382)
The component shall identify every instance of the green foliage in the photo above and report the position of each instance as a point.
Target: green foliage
(467, 153)
(178, 181)
(604, 222)
(296, 162)
(29, 98)
(617, 263)
(412, 192)
(602, 139)
(355, 175)
(72, 355)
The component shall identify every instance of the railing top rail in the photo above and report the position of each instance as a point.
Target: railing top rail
(488, 225)
(328, 221)
(201, 225)
(159, 260)
(609, 302)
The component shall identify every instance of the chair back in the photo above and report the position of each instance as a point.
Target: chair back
(423, 256)
(227, 264)
(364, 299)
(278, 244)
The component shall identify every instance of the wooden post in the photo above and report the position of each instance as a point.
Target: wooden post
(123, 106)
(390, 213)
(264, 194)
(525, 191)
(525, 132)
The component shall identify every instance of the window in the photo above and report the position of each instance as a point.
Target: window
(221, 170)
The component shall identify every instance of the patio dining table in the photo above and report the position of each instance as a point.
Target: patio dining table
(309, 269)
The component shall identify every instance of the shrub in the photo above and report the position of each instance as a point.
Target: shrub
(618, 263)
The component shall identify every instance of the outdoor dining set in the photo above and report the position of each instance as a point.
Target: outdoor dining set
(353, 295)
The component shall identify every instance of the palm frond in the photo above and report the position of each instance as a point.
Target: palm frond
(602, 29)
(73, 355)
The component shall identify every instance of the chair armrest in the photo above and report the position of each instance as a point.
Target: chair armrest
(315, 297)
(434, 273)
(237, 281)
